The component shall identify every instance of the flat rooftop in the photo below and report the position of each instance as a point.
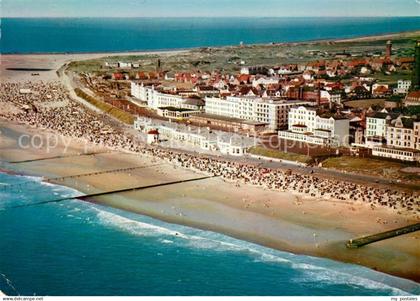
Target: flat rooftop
(228, 119)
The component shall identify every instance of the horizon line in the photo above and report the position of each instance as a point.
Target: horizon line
(196, 17)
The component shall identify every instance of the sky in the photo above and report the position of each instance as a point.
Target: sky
(208, 8)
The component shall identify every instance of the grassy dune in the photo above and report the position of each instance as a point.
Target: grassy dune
(106, 108)
(270, 153)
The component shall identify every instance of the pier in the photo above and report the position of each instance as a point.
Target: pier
(365, 240)
(86, 196)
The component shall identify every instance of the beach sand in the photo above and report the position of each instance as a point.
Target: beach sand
(50, 61)
(280, 220)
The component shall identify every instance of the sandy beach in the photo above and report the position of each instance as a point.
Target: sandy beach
(286, 221)
(52, 62)
(279, 220)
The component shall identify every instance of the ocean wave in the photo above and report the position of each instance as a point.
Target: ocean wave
(34, 190)
(338, 277)
(9, 283)
(184, 235)
(133, 226)
(312, 268)
(166, 241)
(272, 258)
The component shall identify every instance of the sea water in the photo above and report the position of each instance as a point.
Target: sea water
(61, 35)
(78, 248)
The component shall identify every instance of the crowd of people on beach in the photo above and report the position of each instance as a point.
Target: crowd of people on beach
(33, 107)
(74, 120)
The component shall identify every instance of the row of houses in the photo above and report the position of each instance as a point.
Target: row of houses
(273, 113)
(196, 137)
(387, 135)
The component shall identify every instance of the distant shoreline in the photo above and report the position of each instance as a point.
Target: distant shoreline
(361, 38)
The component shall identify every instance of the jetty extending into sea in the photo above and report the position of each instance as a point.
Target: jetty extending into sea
(365, 240)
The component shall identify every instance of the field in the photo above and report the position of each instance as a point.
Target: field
(365, 103)
(265, 152)
(121, 115)
(231, 59)
(373, 167)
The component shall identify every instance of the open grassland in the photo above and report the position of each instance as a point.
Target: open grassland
(373, 167)
(275, 154)
(121, 115)
(230, 59)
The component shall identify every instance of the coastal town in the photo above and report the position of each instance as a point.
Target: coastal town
(302, 108)
(315, 109)
(273, 153)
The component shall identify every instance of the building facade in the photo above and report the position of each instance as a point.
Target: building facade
(272, 112)
(410, 155)
(305, 125)
(375, 133)
(403, 133)
(403, 87)
(412, 99)
(395, 137)
(156, 99)
(200, 138)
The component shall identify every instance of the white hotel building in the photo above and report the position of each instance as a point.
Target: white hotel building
(305, 125)
(156, 99)
(376, 129)
(196, 137)
(272, 112)
(391, 136)
(403, 87)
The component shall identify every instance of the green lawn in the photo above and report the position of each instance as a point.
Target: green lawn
(107, 108)
(393, 77)
(371, 166)
(270, 153)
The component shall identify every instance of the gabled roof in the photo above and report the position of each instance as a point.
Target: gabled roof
(414, 94)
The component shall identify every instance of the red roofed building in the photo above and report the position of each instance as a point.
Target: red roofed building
(412, 99)
(152, 136)
(356, 63)
(118, 76)
(244, 78)
(381, 91)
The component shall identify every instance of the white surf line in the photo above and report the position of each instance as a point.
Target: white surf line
(9, 283)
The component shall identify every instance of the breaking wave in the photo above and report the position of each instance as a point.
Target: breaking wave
(313, 269)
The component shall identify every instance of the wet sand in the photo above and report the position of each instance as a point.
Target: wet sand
(279, 220)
